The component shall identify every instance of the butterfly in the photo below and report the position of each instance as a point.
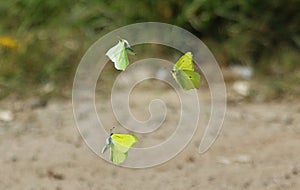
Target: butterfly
(118, 54)
(119, 145)
(184, 74)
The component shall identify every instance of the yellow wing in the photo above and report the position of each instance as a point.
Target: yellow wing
(185, 62)
(125, 141)
(187, 79)
(121, 143)
(116, 155)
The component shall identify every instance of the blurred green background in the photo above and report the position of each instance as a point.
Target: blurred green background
(42, 42)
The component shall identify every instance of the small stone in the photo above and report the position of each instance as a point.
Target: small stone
(55, 175)
(243, 159)
(191, 159)
(48, 88)
(224, 161)
(38, 103)
(244, 72)
(6, 116)
(242, 87)
(295, 169)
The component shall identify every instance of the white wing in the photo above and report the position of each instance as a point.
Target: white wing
(115, 52)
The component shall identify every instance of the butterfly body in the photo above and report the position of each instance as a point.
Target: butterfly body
(184, 74)
(119, 145)
(118, 54)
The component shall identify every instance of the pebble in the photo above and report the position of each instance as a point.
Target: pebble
(243, 159)
(295, 169)
(242, 88)
(241, 71)
(6, 115)
(48, 88)
(224, 161)
(38, 103)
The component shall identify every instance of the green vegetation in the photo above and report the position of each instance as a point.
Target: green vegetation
(42, 42)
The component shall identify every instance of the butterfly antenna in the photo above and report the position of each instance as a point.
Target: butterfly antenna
(119, 38)
(111, 129)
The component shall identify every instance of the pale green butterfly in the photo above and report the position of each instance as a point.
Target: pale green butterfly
(184, 74)
(118, 54)
(119, 145)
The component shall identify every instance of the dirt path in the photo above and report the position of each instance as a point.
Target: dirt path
(258, 148)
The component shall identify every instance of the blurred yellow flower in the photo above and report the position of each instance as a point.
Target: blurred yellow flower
(8, 42)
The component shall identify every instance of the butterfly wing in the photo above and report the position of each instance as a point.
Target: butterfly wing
(123, 61)
(185, 62)
(121, 143)
(116, 155)
(118, 55)
(194, 77)
(126, 141)
(114, 53)
(187, 79)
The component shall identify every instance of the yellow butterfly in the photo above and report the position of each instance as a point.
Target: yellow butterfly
(119, 145)
(184, 74)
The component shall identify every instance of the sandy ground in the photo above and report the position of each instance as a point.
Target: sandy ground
(258, 148)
